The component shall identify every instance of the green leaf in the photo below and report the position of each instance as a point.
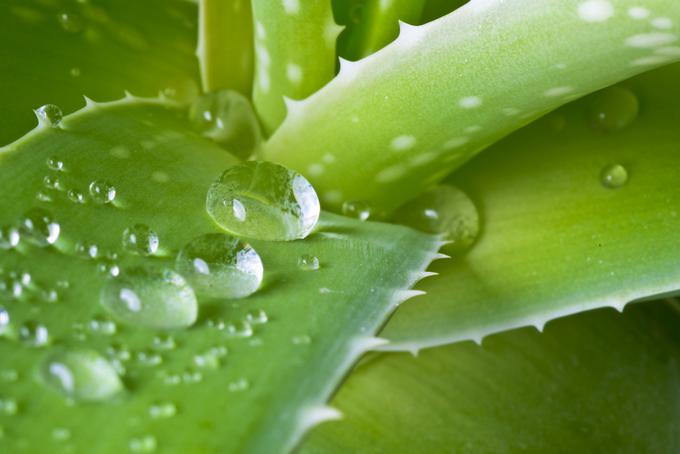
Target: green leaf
(371, 24)
(56, 52)
(555, 239)
(420, 107)
(294, 53)
(225, 45)
(250, 375)
(595, 382)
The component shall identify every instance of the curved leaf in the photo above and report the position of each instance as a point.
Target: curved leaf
(250, 375)
(420, 107)
(596, 382)
(554, 239)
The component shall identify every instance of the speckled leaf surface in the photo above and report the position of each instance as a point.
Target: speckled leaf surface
(235, 381)
(554, 239)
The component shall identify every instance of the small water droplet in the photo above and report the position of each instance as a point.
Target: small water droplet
(39, 227)
(162, 410)
(444, 210)
(74, 72)
(152, 298)
(76, 196)
(34, 334)
(87, 250)
(356, 209)
(70, 22)
(265, 201)
(8, 406)
(102, 191)
(164, 342)
(220, 266)
(239, 329)
(257, 317)
(9, 375)
(191, 377)
(9, 237)
(140, 239)
(143, 444)
(4, 320)
(81, 375)
(228, 118)
(53, 182)
(104, 326)
(614, 176)
(61, 434)
(302, 340)
(49, 115)
(149, 358)
(239, 385)
(308, 262)
(614, 108)
(210, 359)
(54, 163)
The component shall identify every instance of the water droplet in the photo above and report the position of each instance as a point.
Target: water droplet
(443, 210)
(164, 342)
(149, 358)
(4, 320)
(140, 239)
(34, 334)
(210, 359)
(151, 298)
(614, 108)
(49, 115)
(143, 444)
(220, 266)
(76, 196)
(53, 182)
(74, 72)
(9, 375)
(302, 340)
(162, 410)
(257, 317)
(356, 209)
(239, 385)
(264, 201)
(55, 163)
(101, 325)
(87, 250)
(9, 237)
(102, 191)
(38, 227)
(81, 375)
(228, 118)
(239, 329)
(8, 406)
(70, 22)
(191, 376)
(614, 176)
(307, 262)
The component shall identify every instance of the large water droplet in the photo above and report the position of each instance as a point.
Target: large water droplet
(102, 191)
(228, 118)
(140, 239)
(81, 375)
(614, 108)
(151, 298)
(49, 115)
(38, 227)
(220, 266)
(444, 210)
(614, 176)
(264, 201)
(9, 237)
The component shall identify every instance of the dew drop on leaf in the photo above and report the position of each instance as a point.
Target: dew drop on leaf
(239, 385)
(34, 334)
(140, 239)
(257, 317)
(81, 375)
(8, 406)
(102, 191)
(308, 262)
(227, 117)
(614, 108)
(444, 210)
(143, 444)
(220, 266)
(356, 209)
(49, 115)
(76, 196)
(614, 176)
(70, 22)
(239, 329)
(38, 227)
(150, 298)
(265, 201)
(162, 410)
(4, 320)
(9, 237)
(54, 163)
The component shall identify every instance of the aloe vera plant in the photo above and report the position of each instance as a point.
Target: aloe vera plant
(260, 208)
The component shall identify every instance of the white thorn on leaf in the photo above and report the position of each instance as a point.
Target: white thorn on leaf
(364, 344)
(403, 295)
(89, 102)
(313, 416)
